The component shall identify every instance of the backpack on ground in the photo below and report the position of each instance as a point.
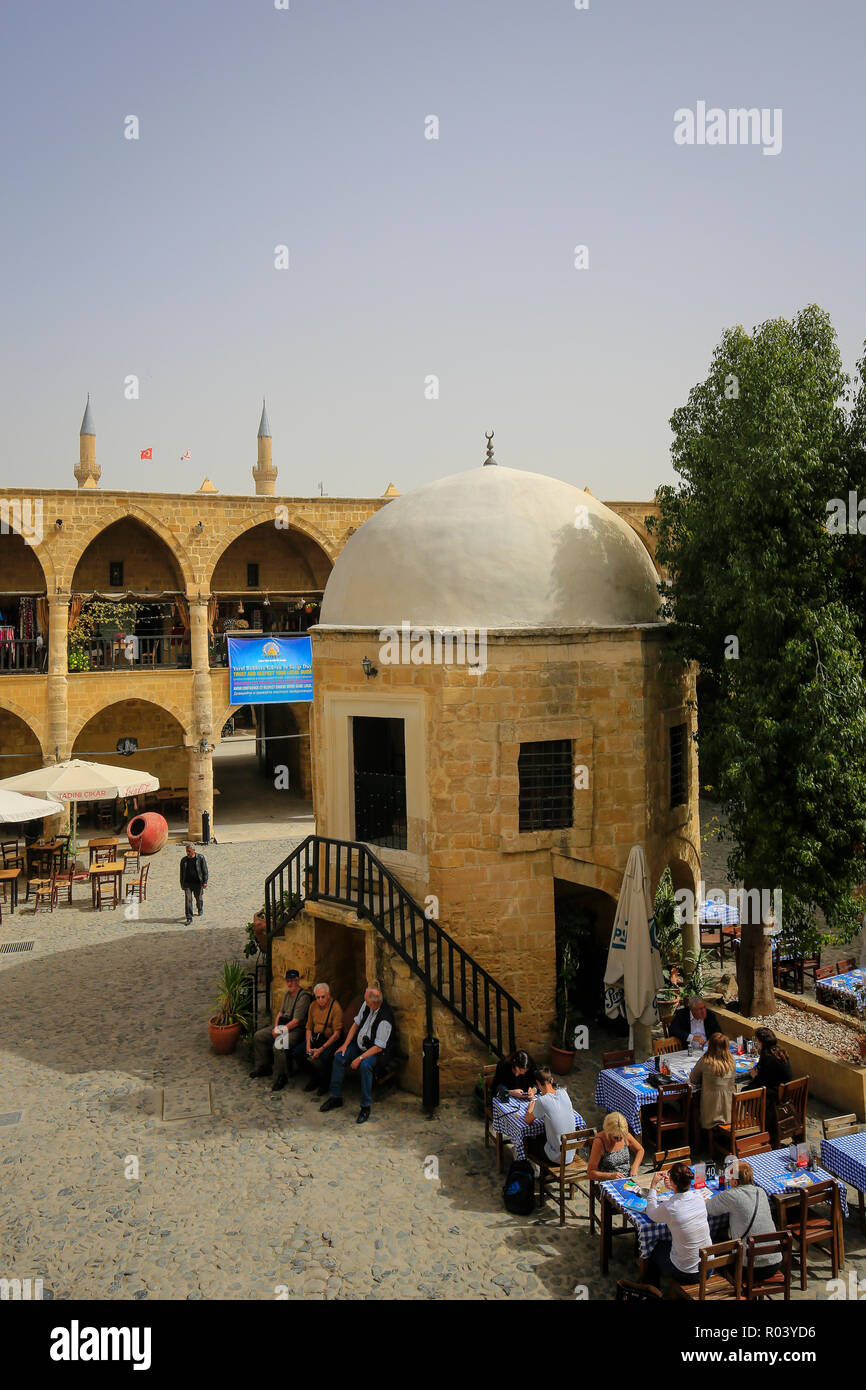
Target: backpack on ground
(518, 1192)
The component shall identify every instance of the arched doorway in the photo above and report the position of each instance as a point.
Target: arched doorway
(262, 774)
(161, 752)
(23, 604)
(584, 920)
(269, 580)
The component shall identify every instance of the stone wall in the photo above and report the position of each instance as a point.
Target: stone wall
(157, 731)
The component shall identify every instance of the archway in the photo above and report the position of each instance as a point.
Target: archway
(161, 752)
(269, 580)
(23, 600)
(584, 920)
(261, 770)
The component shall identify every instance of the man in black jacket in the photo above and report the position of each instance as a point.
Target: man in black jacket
(193, 880)
(369, 1046)
(695, 1020)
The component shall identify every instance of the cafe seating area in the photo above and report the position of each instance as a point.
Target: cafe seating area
(115, 873)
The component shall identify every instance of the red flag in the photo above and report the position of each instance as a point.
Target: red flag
(184, 456)
(147, 453)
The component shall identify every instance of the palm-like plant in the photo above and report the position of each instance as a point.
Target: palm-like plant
(233, 998)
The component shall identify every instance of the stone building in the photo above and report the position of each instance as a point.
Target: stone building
(495, 717)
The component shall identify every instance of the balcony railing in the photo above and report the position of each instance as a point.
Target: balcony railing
(218, 650)
(130, 653)
(19, 655)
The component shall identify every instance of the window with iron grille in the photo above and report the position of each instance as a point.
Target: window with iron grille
(678, 760)
(546, 778)
(252, 576)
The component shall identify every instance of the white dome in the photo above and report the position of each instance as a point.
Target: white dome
(493, 548)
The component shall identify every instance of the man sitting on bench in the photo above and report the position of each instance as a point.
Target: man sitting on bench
(368, 1048)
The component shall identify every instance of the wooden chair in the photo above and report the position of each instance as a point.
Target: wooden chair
(753, 1144)
(824, 973)
(137, 888)
(103, 854)
(488, 1074)
(788, 973)
(665, 1045)
(104, 816)
(65, 881)
(748, 1117)
(672, 1114)
(617, 1059)
(13, 855)
(773, 1243)
(46, 891)
(810, 965)
(843, 966)
(131, 861)
(840, 1124)
(712, 1286)
(106, 890)
(823, 1231)
(569, 1171)
(627, 1291)
(715, 939)
(666, 1158)
(795, 1094)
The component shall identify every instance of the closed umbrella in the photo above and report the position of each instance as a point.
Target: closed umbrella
(15, 808)
(634, 969)
(76, 780)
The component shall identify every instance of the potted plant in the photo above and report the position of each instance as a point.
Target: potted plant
(562, 1051)
(252, 946)
(232, 1015)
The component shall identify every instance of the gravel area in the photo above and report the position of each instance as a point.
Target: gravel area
(811, 1028)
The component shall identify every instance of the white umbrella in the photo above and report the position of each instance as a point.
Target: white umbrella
(77, 780)
(15, 807)
(634, 969)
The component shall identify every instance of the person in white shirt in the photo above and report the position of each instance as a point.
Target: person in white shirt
(554, 1107)
(369, 1046)
(685, 1213)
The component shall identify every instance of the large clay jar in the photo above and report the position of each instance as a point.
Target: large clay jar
(148, 832)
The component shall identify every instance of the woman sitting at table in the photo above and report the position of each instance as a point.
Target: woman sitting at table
(516, 1074)
(773, 1067)
(615, 1153)
(748, 1212)
(716, 1074)
(685, 1214)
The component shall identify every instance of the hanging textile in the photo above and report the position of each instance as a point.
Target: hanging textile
(181, 607)
(26, 619)
(76, 603)
(212, 611)
(42, 615)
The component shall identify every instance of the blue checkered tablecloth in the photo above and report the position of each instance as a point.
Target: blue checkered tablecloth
(845, 1158)
(849, 985)
(771, 1170)
(616, 1090)
(509, 1122)
(653, 1233)
(714, 914)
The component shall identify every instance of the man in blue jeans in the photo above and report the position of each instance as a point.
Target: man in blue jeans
(369, 1044)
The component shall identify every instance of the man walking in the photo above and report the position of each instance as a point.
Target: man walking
(193, 881)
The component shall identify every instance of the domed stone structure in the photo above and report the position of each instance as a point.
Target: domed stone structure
(496, 717)
(494, 548)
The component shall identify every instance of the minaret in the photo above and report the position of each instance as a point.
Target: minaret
(264, 473)
(88, 470)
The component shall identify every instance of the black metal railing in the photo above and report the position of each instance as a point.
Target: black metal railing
(22, 654)
(350, 875)
(130, 653)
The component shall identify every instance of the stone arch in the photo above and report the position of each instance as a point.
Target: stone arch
(28, 718)
(302, 526)
(136, 513)
(81, 721)
(588, 875)
(39, 551)
(685, 868)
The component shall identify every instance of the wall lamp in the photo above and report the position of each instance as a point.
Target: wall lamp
(59, 524)
(199, 526)
(368, 668)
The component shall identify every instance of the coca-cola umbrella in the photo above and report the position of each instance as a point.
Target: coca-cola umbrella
(17, 808)
(76, 780)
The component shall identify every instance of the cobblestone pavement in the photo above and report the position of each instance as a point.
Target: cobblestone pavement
(265, 1194)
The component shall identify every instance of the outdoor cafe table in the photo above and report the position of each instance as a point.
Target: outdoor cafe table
(44, 851)
(10, 876)
(847, 987)
(509, 1122)
(845, 1158)
(626, 1089)
(113, 869)
(107, 842)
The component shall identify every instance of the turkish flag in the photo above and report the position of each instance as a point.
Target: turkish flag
(147, 453)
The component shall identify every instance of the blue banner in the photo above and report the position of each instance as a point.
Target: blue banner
(270, 670)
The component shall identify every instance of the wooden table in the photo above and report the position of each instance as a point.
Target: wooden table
(10, 876)
(41, 850)
(108, 842)
(114, 869)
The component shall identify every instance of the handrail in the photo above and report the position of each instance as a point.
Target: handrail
(327, 870)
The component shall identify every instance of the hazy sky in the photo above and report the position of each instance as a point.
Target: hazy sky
(408, 256)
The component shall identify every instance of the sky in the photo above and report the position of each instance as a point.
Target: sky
(409, 258)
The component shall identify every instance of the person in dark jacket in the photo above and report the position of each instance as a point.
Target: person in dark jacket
(369, 1046)
(772, 1068)
(695, 1020)
(516, 1074)
(193, 881)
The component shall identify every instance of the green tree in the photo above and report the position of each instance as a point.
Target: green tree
(769, 604)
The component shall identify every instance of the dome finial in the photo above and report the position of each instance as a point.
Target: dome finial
(490, 459)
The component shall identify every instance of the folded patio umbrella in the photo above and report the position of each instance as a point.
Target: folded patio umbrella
(15, 807)
(634, 969)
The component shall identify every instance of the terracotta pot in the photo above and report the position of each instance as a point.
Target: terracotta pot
(260, 931)
(667, 1008)
(224, 1037)
(148, 832)
(561, 1060)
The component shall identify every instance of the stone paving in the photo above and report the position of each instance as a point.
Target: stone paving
(265, 1197)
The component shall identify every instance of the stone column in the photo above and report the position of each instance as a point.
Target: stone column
(200, 764)
(58, 623)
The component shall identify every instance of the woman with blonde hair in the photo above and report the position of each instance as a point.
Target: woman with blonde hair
(716, 1074)
(615, 1153)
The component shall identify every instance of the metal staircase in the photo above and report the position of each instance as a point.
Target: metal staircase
(348, 874)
